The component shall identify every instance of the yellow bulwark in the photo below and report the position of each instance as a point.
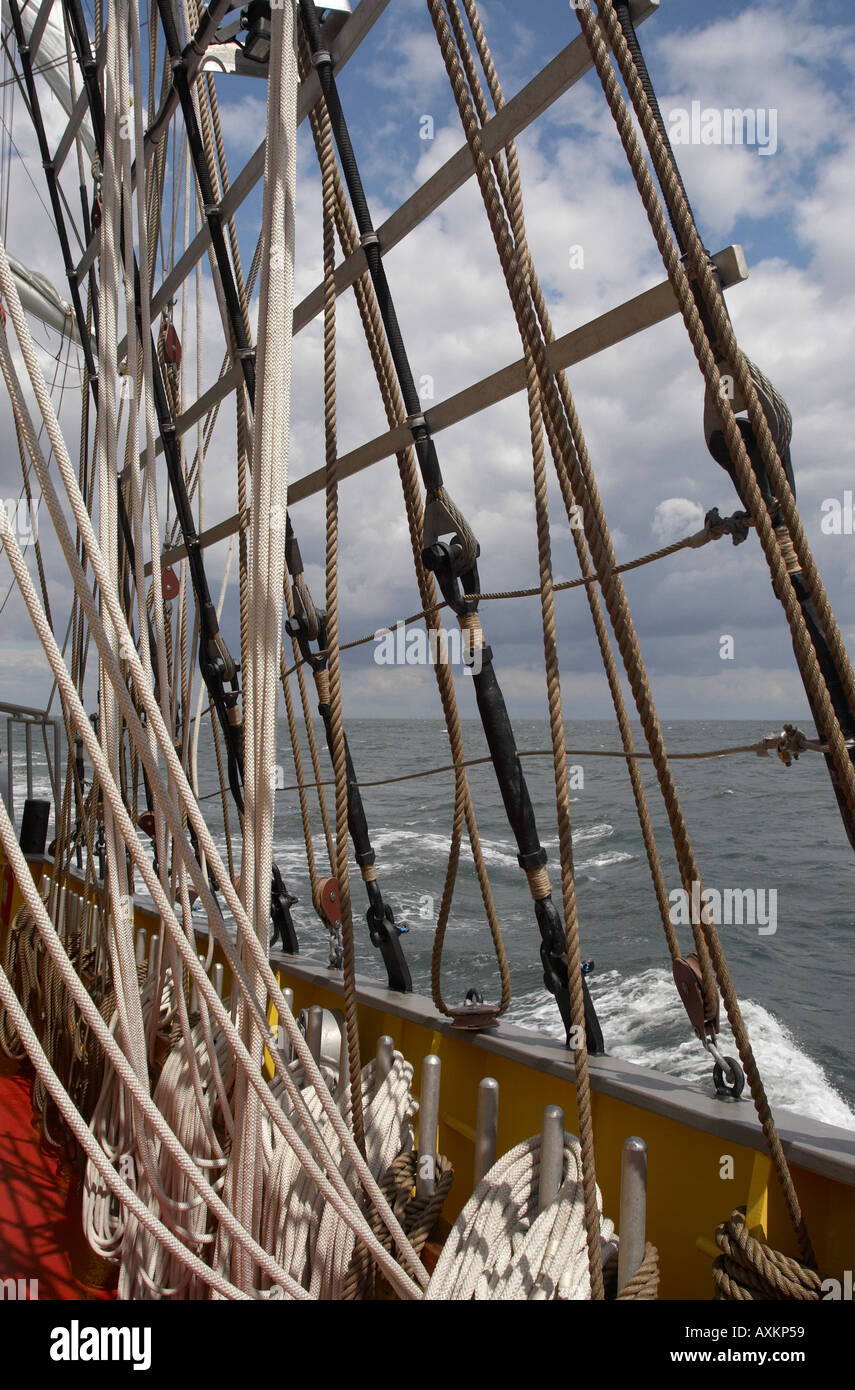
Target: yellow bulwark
(705, 1156)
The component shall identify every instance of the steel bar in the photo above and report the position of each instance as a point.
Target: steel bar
(551, 1156)
(486, 1128)
(385, 1057)
(633, 1208)
(428, 1126)
(315, 1031)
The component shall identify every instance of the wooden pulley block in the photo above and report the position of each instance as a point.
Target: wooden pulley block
(169, 583)
(329, 897)
(474, 1015)
(172, 346)
(689, 982)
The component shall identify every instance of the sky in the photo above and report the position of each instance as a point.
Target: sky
(641, 403)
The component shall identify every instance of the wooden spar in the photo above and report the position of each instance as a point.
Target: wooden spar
(344, 46)
(634, 316)
(571, 64)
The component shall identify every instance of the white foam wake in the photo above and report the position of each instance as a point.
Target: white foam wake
(643, 1021)
(398, 847)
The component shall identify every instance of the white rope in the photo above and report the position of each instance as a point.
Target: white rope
(388, 1112)
(110, 635)
(501, 1248)
(121, 1190)
(332, 1185)
(156, 1124)
(120, 926)
(306, 1235)
(267, 543)
(148, 1269)
(159, 789)
(104, 1219)
(120, 938)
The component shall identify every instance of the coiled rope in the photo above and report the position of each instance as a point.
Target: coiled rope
(747, 1270)
(148, 1270)
(417, 1215)
(501, 1247)
(303, 1230)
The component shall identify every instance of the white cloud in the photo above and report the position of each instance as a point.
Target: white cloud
(676, 517)
(640, 403)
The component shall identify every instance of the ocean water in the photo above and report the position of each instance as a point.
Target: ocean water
(754, 824)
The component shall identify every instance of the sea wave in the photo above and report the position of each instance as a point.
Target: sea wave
(643, 1021)
(605, 860)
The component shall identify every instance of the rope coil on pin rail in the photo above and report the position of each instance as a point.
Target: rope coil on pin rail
(418, 1215)
(502, 1247)
(748, 1270)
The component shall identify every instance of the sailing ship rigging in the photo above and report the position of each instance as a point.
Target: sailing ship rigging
(226, 1142)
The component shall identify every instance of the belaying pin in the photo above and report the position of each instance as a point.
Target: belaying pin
(315, 1030)
(384, 1059)
(428, 1125)
(633, 1208)
(486, 1128)
(551, 1156)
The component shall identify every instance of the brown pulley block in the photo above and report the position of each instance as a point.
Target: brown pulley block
(689, 982)
(172, 346)
(474, 1015)
(169, 583)
(329, 897)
